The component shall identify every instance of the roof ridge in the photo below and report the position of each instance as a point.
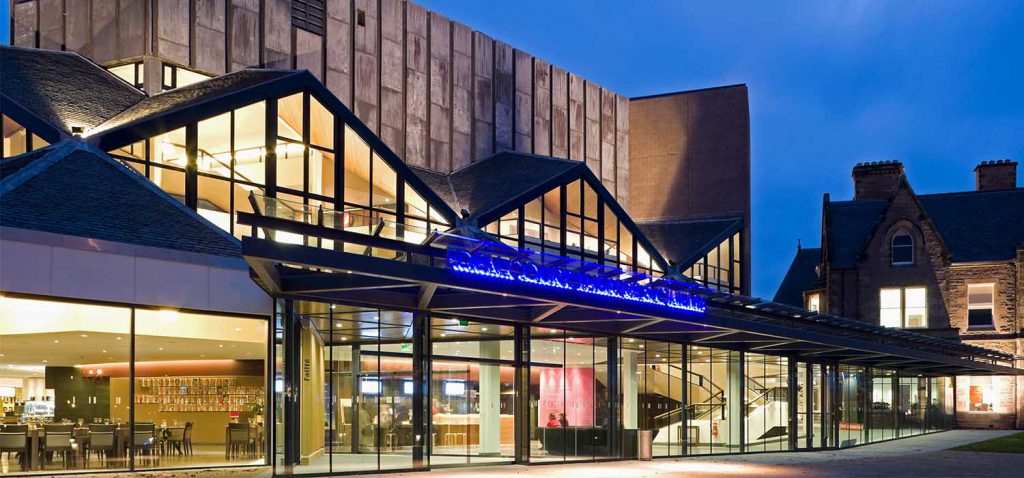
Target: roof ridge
(42, 163)
(975, 192)
(680, 220)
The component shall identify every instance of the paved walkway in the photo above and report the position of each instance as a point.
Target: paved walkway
(923, 456)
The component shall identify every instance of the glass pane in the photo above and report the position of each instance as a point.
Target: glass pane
(289, 117)
(980, 295)
(215, 201)
(917, 307)
(590, 205)
(169, 149)
(125, 72)
(15, 138)
(197, 394)
(251, 143)
(572, 197)
(187, 77)
(385, 187)
(290, 160)
(321, 172)
(357, 169)
(415, 205)
(548, 440)
(890, 299)
(171, 181)
(321, 125)
(214, 136)
(135, 150)
(65, 375)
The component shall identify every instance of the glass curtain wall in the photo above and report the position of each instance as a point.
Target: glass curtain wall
(883, 396)
(355, 391)
(720, 268)
(714, 401)
(472, 394)
(766, 402)
(573, 221)
(231, 160)
(852, 413)
(75, 398)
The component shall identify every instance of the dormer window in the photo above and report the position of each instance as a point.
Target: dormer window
(902, 249)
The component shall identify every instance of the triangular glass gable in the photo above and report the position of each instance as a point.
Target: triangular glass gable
(231, 161)
(580, 226)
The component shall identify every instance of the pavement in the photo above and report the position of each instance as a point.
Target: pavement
(922, 456)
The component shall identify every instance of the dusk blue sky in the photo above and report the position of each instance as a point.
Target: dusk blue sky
(934, 84)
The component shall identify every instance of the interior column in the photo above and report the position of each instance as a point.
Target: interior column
(734, 400)
(490, 400)
(630, 398)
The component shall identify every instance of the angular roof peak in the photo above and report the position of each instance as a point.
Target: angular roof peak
(63, 89)
(74, 189)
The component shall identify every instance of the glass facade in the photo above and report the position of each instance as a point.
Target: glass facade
(390, 390)
(572, 220)
(721, 268)
(109, 387)
(18, 139)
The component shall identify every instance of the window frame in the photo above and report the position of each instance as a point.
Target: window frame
(893, 247)
(990, 306)
(903, 306)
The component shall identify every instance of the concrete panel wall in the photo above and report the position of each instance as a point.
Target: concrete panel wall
(417, 73)
(440, 94)
(367, 67)
(462, 95)
(523, 115)
(392, 75)
(339, 49)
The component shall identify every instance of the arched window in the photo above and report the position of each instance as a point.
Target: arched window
(902, 249)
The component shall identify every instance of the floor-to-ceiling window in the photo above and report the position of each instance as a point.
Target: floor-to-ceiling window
(766, 397)
(75, 397)
(852, 416)
(472, 392)
(883, 394)
(715, 401)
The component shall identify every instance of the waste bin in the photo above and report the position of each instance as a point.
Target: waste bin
(644, 444)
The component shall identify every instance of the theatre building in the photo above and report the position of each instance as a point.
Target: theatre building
(947, 265)
(240, 270)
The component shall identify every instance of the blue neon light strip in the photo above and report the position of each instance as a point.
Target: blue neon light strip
(528, 267)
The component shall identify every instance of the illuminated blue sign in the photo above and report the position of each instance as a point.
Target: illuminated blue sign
(521, 268)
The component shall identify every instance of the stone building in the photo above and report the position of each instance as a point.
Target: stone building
(949, 264)
(440, 94)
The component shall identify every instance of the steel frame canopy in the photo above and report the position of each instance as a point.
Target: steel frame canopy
(422, 280)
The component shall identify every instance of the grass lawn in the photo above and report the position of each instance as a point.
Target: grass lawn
(1007, 444)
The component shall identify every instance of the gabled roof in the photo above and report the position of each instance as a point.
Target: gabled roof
(504, 177)
(973, 225)
(191, 95)
(72, 188)
(63, 89)
(978, 225)
(685, 241)
(849, 225)
(802, 274)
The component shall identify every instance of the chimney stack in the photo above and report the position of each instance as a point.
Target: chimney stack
(992, 175)
(876, 179)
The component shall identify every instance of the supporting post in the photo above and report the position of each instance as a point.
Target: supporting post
(421, 408)
(292, 380)
(791, 392)
(521, 404)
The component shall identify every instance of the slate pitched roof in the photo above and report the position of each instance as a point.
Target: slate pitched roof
(685, 241)
(63, 88)
(191, 95)
(978, 225)
(974, 225)
(77, 190)
(494, 181)
(849, 228)
(802, 274)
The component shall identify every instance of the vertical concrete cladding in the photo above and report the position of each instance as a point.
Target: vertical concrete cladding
(366, 95)
(392, 75)
(417, 71)
(462, 95)
(440, 94)
(693, 147)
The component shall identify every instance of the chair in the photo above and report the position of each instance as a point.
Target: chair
(14, 442)
(15, 428)
(240, 439)
(58, 440)
(175, 438)
(187, 438)
(145, 445)
(101, 441)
